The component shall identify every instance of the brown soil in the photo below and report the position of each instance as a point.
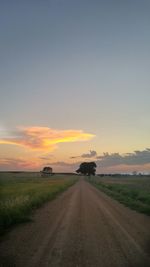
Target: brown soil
(82, 227)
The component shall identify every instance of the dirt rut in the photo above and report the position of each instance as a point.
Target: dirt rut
(82, 227)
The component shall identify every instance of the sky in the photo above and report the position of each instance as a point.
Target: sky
(75, 84)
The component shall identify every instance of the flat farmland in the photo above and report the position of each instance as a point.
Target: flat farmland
(132, 191)
(21, 193)
(82, 227)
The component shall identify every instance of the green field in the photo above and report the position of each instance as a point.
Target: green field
(21, 193)
(133, 192)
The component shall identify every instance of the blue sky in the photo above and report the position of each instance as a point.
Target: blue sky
(81, 65)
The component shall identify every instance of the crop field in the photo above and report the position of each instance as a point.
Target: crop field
(131, 191)
(81, 227)
(21, 193)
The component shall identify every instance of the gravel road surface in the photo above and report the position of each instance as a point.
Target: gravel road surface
(81, 228)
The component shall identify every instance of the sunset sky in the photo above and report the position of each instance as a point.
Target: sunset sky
(75, 84)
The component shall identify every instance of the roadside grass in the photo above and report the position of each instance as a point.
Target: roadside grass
(19, 196)
(134, 193)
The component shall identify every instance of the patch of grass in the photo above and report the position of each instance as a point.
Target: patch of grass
(134, 194)
(19, 196)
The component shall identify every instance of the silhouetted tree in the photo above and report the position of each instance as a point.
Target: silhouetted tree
(46, 171)
(87, 168)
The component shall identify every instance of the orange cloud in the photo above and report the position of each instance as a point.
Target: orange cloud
(43, 138)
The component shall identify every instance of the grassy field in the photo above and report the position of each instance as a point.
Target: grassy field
(21, 193)
(133, 192)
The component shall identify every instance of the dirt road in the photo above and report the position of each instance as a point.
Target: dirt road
(82, 227)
